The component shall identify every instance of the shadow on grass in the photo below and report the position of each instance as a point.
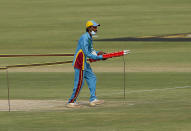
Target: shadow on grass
(185, 37)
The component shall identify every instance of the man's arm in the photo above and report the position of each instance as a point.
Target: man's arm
(88, 53)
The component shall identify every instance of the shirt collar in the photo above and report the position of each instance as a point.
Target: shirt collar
(89, 36)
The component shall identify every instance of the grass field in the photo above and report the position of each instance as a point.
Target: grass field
(154, 101)
(158, 74)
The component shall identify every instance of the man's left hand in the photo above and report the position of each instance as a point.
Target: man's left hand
(101, 53)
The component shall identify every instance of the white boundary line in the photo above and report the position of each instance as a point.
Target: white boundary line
(141, 91)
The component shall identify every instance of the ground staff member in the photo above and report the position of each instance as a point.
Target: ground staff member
(82, 68)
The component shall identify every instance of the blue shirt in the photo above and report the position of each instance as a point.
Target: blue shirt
(84, 50)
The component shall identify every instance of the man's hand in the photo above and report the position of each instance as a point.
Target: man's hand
(101, 53)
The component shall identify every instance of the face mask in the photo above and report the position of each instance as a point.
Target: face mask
(93, 33)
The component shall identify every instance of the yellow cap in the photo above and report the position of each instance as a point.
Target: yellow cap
(91, 23)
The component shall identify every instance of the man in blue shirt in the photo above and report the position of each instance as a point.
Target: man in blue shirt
(82, 68)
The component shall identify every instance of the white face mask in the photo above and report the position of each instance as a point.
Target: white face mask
(93, 33)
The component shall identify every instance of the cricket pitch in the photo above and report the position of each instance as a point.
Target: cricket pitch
(50, 105)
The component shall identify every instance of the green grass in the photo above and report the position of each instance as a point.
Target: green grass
(55, 26)
(30, 27)
(59, 85)
(163, 108)
(154, 69)
(144, 54)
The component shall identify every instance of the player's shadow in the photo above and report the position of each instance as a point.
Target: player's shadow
(146, 39)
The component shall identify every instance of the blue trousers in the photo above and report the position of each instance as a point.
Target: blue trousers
(90, 78)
